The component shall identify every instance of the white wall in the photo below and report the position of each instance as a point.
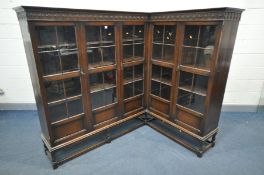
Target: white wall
(247, 69)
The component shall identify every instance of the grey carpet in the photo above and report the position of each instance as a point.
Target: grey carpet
(239, 150)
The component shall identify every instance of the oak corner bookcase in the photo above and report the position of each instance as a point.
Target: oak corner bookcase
(98, 75)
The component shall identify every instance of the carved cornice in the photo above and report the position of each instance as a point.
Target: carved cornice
(61, 15)
(197, 16)
(57, 14)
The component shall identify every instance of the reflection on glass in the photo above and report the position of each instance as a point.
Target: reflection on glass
(46, 35)
(75, 107)
(168, 52)
(127, 32)
(69, 62)
(109, 79)
(54, 90)
(165, 91)
(158, 33)
(193, 83)
(161, 74)
(92, 34)
(155, 88)
(139, 50)
(72, 87)
(97, 99)
(138, 86)
(157, 51)
(166, 75)
(128, 90)
(102, 88)
(58, 94)
(57, 111)
(163, 42)
(100, 45)
(102, 80)
(200, 84)
(110, 96)
(138, 71)
(192, 101)
(170, 34)
(198, 46)
(133, 42)
(133, 80)
(57, 49)
(50, 63)
(186, 80)
(128, 74)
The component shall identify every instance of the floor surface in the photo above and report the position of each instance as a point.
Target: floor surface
(239, 150)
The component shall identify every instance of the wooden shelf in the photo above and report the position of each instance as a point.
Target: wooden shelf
(101, 87)
(198, 91)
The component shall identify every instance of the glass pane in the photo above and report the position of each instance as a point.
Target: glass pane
(184, 98)
(165, 91)
(128, 51)
(158, 34)
(203, 59)
(155, 88)
(166, 75)
(186, 80)
(108, 55)
(138, 87)
(97, 99)
(94, 57)
(110, 96)
(92, 34)
(139, 50)
(57, 111)
(156, 72)
(50, 62)
(207, 36)
(96, 81)
(191, 35)
(72, 87)
(109, 79)
(139, 32)
(200, 84)
(127, 32)
(191, 101)
(54, 90)
(75, 107)
(128, 74)
(108, 34)
(46, 35)
(188, 56)
(157, 51)
(69, 61)
(170, 34)
(128, 90)
(168, 52)
(138, 72)
(66, 35)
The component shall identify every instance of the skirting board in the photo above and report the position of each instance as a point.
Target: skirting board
(225, 108)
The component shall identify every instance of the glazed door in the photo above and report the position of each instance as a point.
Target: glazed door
(132, 54)
(162, 64)
(194, 70)
(58, 60)
(101, 52)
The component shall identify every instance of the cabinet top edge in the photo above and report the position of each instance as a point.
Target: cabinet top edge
(36, 13)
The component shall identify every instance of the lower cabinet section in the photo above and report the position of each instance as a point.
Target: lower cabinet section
(188, 121)
(104, 134)
(159, 106)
